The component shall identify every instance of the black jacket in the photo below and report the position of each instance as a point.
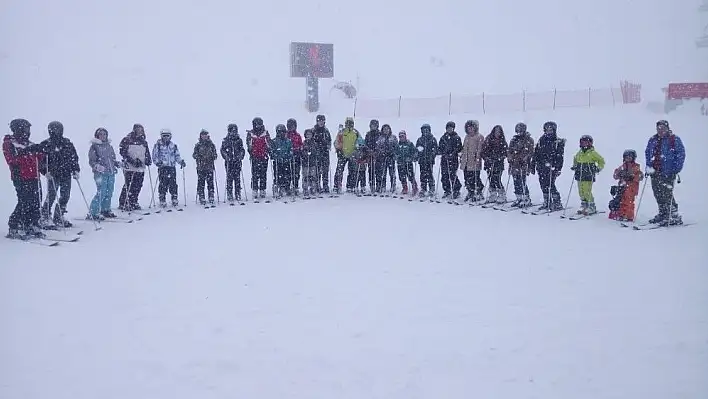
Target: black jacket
(62, 159)
(427, 147)
(548, 153)
(450, 146)
(323, 140)
(232, 149)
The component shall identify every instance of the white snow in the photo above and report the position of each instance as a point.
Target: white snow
(351, 297)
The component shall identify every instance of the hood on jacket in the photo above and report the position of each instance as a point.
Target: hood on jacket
(386, 129)
(500, 130)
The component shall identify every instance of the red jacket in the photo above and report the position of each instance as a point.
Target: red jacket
(296, 139)
(23, 165)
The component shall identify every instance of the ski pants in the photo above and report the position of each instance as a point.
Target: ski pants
(101, 202)
(167, 178)
(427, 181)
(26, 211)
(372, 174)
(323, 171)
(205, 177)
(495, 177)
(54, 184)
(233, 179)
(339, 172)
(259, 173)
(547, 181)
(384, 166)
(131, 189)
(450, 181)
(663, 189)
(406, 173)
(309, 178)
(296, 167)
(585, 191)
(520, 186)
(283, 174)
(473, 181)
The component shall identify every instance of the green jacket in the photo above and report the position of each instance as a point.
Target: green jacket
(587, 163)
(406, 152)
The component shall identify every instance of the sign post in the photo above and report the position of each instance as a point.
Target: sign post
(311, 61)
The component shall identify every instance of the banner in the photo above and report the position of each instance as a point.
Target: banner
(679, 91)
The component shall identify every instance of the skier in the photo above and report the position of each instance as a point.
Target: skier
(296, 141)
(628, 175)
(370, 150)
(23, 158)
(282, 153)
(60, 166)
(406, 154)
(386, 147)
(548, 162)
(323, 139)
(665, 155)
(360, 161)
(136, 157)
(102, 159)
(258, 144)
(449, 148)
(471, 162)
(587, 163)
(166, 157)
(309, 165)
(205, 155)
(345, 145)
(494, 152)
(427, 147)
(520, 152)
(233, 153)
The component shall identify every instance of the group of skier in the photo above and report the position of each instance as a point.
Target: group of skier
(376, 156)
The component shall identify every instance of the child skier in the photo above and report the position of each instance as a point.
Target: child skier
(258, 143)
(494, 151)
(427, 147)
(450, 147)
(520, 153)
(232, 151)
(360, 160)
(405, 156)
(60, 166)
(296, 163)
(386, 146)
(547, 161)
(205, 155)
(586, 164)
(282, 153)
(629, 174)
(309, 165)
(166, 157)
(102, 159)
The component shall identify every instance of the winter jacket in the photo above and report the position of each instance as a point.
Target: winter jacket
(310, 153)
(548, 153)
(296, 141)
(360, 153)
(471, 155)
(102, 157)
(406, 152)
(386, 146)
(629, 174)
(61, 158)
(232, 149)
(166, 154)
(494, 152)
(205, 155)
(345, 143)
(258, 144)
(449, 147)
(520, 153)
(282, 149)
(135, 152)
(666, 155)
(427, 147)
(23, 157)
(323, 139)
(370, 142)
(587, 163)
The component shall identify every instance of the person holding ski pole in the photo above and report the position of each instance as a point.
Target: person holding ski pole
(60, 166)
(427, 147)
(136, 158)
(205, 156)
(471, 162)
(103, 163)
(665, 155)
(406, 154)
(232, 152)
(521, 149)
(166, 157)
(587, 163)
(623, 194)
(450, 147)
(547, 163)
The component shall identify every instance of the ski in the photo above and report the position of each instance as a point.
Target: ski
(63, 238)
(34, 240)
(654, 226)
(580, 216)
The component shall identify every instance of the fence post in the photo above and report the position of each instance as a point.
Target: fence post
(589, 97)
(399, 105)
(449, 105)
(612, 92)
(355, 100)
(524, 100)
(484, 105)
(555, 93)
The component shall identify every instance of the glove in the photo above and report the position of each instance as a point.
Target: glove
(100, 168)
(158, 164)
(420, 149)
(182, 164)
(340, 154)
(557, 173)
(118, 165)
(573, 167)
(48, 176)
(76, 175)
(649, 171)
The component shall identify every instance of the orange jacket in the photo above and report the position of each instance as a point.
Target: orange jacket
(629, 174)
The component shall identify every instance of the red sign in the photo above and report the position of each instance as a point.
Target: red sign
(678, 91)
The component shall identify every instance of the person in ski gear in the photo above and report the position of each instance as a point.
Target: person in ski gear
(258, 143)
(166, 156)
(406, 154)
(587, 163)
(494, 152)
(450, 146)
(205, 156)
(103, 163)
(370, 140)
(323, 139)
(547, 161)
(345, 145)
(665, 155)
(471, 162)
(136, 158)
(60, 165)
(360, 160)
(282, 153)
(521, 149)
(232, 152)
(385, 154)
(628, 175)
(296, 141)
(427, 147)
(309, 164)
(23, 157)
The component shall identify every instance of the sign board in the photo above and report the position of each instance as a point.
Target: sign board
(678, 91)
(311, 60)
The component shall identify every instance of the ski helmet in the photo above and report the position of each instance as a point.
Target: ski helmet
(550, 125)
(470, 124)
(280, 128)
(320, 118)
(374, 124)
(138, 128)
(349, 122)
(166, 133)
(20, 126)
(425, 128)
(55, 129)
(662, 125)
(586, 137)
(450, 124)
(520, 127)
(630, 153)
(232, 128)
(291, 124)
(203, 132)
(257, 123)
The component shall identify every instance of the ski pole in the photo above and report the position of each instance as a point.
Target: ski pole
(639, 204)
(88, 207)
(245, 195)
(506, 188)
(438, 180)
(152, 187)
(184, 187)
(215, 179)
(567, 198)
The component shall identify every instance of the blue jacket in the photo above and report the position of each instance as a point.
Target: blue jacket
(672, 155)
(166, 154)
(282, 149)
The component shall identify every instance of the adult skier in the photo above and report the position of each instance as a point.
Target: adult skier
(450, 147)
(136, 157)
(494, 152)
(370, 140)
(427, 147)
(665, 155)
(258, 144)
(521, 149)
(406, 154)
(587, 163)
(345, 145)
(233, 153)
(548, 162)
(386, 147)
(296, 141)
(471, 162)
(323, 139)
(103, 163)
(23, 158)
(309, 165)
(166, 157)
(60, 165)
(282, 153)
(205, 155)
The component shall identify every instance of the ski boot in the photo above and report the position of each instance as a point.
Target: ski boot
(404, 191)
(108, 215)
(446, 195)
(469, 196)
(501, 197)
(583, 208)
(163, 203)
(34, 231)
(414, 188)
(455, 195)
(422, 194)
(237, 196)
(546, 203)
(175, 202)
(95, 218)
(262, 194)
(15, 234)
(591, 209)
(492, 196)
(555, 204)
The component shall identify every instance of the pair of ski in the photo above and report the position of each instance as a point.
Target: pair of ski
(652, 226)
(579, 216)
(51, 238)
(539, 211)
